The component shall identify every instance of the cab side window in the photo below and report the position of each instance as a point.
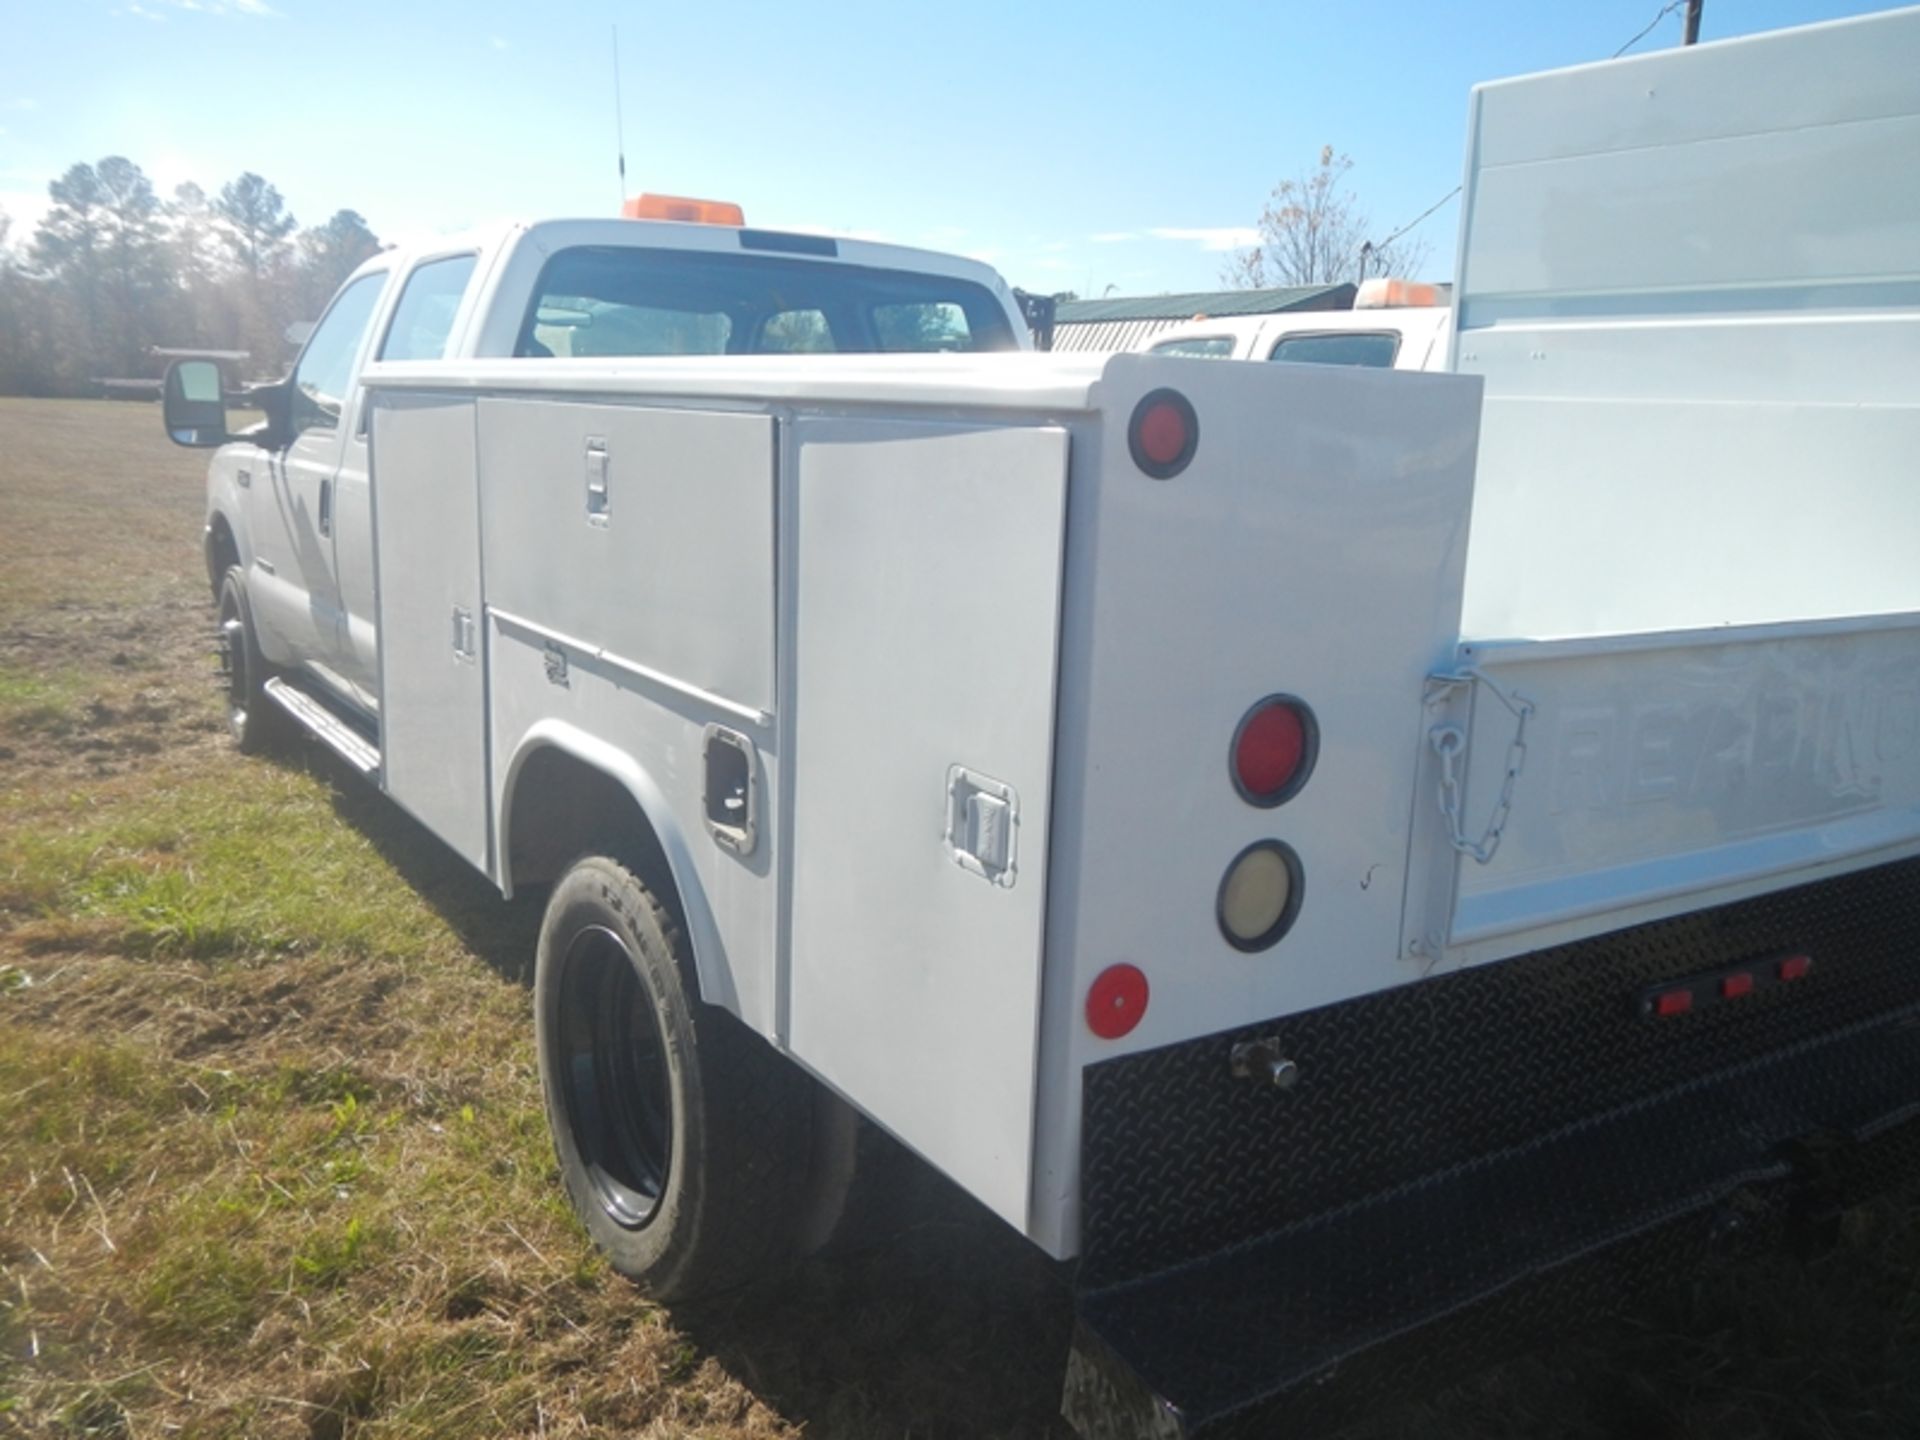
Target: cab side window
(423, 320)
(325, 372)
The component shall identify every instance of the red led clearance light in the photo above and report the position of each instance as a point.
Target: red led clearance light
(1756, 978)
(1673, 1002)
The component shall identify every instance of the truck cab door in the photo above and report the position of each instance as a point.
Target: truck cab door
(350, 523)
(294, 587)
(418, 326)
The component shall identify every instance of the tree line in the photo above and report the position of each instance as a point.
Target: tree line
(113, 269)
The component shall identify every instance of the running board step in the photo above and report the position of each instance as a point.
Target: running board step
(319, 719)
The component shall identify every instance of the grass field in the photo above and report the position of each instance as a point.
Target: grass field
(272, 1157)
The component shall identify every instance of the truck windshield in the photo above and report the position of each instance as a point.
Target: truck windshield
(634, 300)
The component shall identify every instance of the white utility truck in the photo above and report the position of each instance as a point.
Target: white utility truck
(1393, 325)
(1366, 903)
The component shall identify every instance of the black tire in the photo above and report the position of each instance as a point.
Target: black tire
(683, 1138)
(252, 719)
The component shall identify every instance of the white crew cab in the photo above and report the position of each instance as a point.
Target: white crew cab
(1394, 325)
(1358, 868)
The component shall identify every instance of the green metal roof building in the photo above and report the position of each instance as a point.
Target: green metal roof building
(1122, 322)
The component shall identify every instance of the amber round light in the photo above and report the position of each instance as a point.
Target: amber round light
(1260, 895)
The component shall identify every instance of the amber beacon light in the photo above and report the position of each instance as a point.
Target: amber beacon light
(679, 207)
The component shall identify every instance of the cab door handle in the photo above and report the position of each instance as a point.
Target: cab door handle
(326, 507)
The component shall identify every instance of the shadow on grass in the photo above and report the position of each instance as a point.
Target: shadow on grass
(952, 1325)
(502, 933)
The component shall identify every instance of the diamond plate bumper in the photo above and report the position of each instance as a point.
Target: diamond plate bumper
(1466, 1165)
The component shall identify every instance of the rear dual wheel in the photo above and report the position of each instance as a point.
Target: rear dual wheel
(686, 1144)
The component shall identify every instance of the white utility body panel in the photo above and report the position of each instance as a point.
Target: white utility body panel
(1691, 287)
(926, 586)
(1665, 765)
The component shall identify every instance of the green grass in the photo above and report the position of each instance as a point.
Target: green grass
(36, 704)
(236, 861)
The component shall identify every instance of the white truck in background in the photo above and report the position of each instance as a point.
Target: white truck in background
(1364, 902)
(1393, 325)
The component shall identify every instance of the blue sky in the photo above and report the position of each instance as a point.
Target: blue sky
(1073, 145)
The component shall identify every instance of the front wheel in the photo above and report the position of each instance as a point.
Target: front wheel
(252, 719)
(683, 1139)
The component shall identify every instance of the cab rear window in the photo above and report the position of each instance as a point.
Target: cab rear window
(1374, 349)
(637, 300)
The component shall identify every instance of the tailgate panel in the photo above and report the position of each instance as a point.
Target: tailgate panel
(1666, 772)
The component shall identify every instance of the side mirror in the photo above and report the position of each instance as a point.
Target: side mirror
(193, 408)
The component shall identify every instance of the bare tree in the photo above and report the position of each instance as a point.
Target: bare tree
(1312, 232)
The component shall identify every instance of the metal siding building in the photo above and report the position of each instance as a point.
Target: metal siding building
(1123, 322)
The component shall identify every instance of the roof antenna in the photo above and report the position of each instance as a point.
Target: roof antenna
(619, 118)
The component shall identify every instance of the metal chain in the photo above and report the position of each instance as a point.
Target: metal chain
(1450, 741)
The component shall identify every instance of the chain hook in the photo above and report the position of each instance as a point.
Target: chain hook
(1450, 742)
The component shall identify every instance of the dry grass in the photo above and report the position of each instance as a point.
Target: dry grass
(272, 1159)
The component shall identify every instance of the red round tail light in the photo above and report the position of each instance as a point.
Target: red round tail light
(1116, 1001)
(1163, 433)
(1273, 750)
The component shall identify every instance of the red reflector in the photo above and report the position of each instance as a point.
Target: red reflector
(1270, 749)
(1674, 1002)
(1163, 433)
(1273, 750)
(1795, 967)
(1732, 987)
(1116, 1001)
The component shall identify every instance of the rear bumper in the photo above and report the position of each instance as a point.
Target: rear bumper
(1469, 1164)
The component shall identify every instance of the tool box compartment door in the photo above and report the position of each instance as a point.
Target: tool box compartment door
(926, 588)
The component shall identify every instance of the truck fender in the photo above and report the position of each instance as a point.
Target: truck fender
(711, 967)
